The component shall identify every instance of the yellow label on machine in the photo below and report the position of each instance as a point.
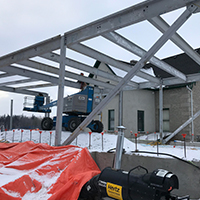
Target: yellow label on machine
(114, 191)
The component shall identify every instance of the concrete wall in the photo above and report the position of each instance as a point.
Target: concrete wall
(133, 100)
(196, 102)
(189, 176)
(139, 100)
(178, 102)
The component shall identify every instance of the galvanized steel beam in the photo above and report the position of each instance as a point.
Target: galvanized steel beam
(133, 48)
(36, 86)
(39, 76)
(21, 91)
(4, 75)
(87, 68)
(16, 82)
(175, 81)
(111, 61)
(161, 25)
(31, 51)
(68, 74)
(137, 13)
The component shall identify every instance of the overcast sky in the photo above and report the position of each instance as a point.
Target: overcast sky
(25, 22)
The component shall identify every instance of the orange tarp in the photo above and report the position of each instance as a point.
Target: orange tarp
(60, 172)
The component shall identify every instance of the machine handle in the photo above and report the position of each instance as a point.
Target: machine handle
(138, 167)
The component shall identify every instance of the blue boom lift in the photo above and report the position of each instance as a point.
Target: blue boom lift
(76, 108)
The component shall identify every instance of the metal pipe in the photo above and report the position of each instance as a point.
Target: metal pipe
(119, 147)
(192, 112)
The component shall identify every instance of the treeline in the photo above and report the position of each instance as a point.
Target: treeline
(20, 122)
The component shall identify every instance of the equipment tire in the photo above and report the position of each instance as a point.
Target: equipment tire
(73, 123)
(98, 126)
(47, 123)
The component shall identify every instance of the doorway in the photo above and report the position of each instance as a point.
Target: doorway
(140, 116)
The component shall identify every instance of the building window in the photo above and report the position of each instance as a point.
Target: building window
(140, 117)
(111, 119)
(166, 120)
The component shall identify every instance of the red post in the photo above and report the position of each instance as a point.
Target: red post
(30, 134)
(102, 139)
(40, 136)
(90, 133)
(21, 134)
(136, 142)
(5, 134)
(136, 134)
(184, 135)
(13, 135)
(155, 136)
(131, 132)
(50, 138)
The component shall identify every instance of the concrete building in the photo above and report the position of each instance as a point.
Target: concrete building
(140, 108)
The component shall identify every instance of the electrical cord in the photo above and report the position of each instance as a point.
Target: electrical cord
(165, 154)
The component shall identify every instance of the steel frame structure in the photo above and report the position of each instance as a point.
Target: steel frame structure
(22, 62)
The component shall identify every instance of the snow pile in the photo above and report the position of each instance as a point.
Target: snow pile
(109, 142)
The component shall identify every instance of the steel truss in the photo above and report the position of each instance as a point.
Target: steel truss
(22, 62)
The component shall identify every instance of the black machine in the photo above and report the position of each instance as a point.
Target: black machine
(122, 185)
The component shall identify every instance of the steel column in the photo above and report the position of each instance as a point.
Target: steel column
(161, 112)
(192, 112)
(120, 114)
(161, 41)
(60, 92)
(11, 114)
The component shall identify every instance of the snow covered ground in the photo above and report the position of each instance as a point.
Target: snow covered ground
(97, 144)
(109, 142)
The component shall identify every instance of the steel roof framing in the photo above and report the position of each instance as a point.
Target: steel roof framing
(150, 10)
(145, 58)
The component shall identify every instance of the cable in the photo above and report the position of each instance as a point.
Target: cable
(165, 154)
